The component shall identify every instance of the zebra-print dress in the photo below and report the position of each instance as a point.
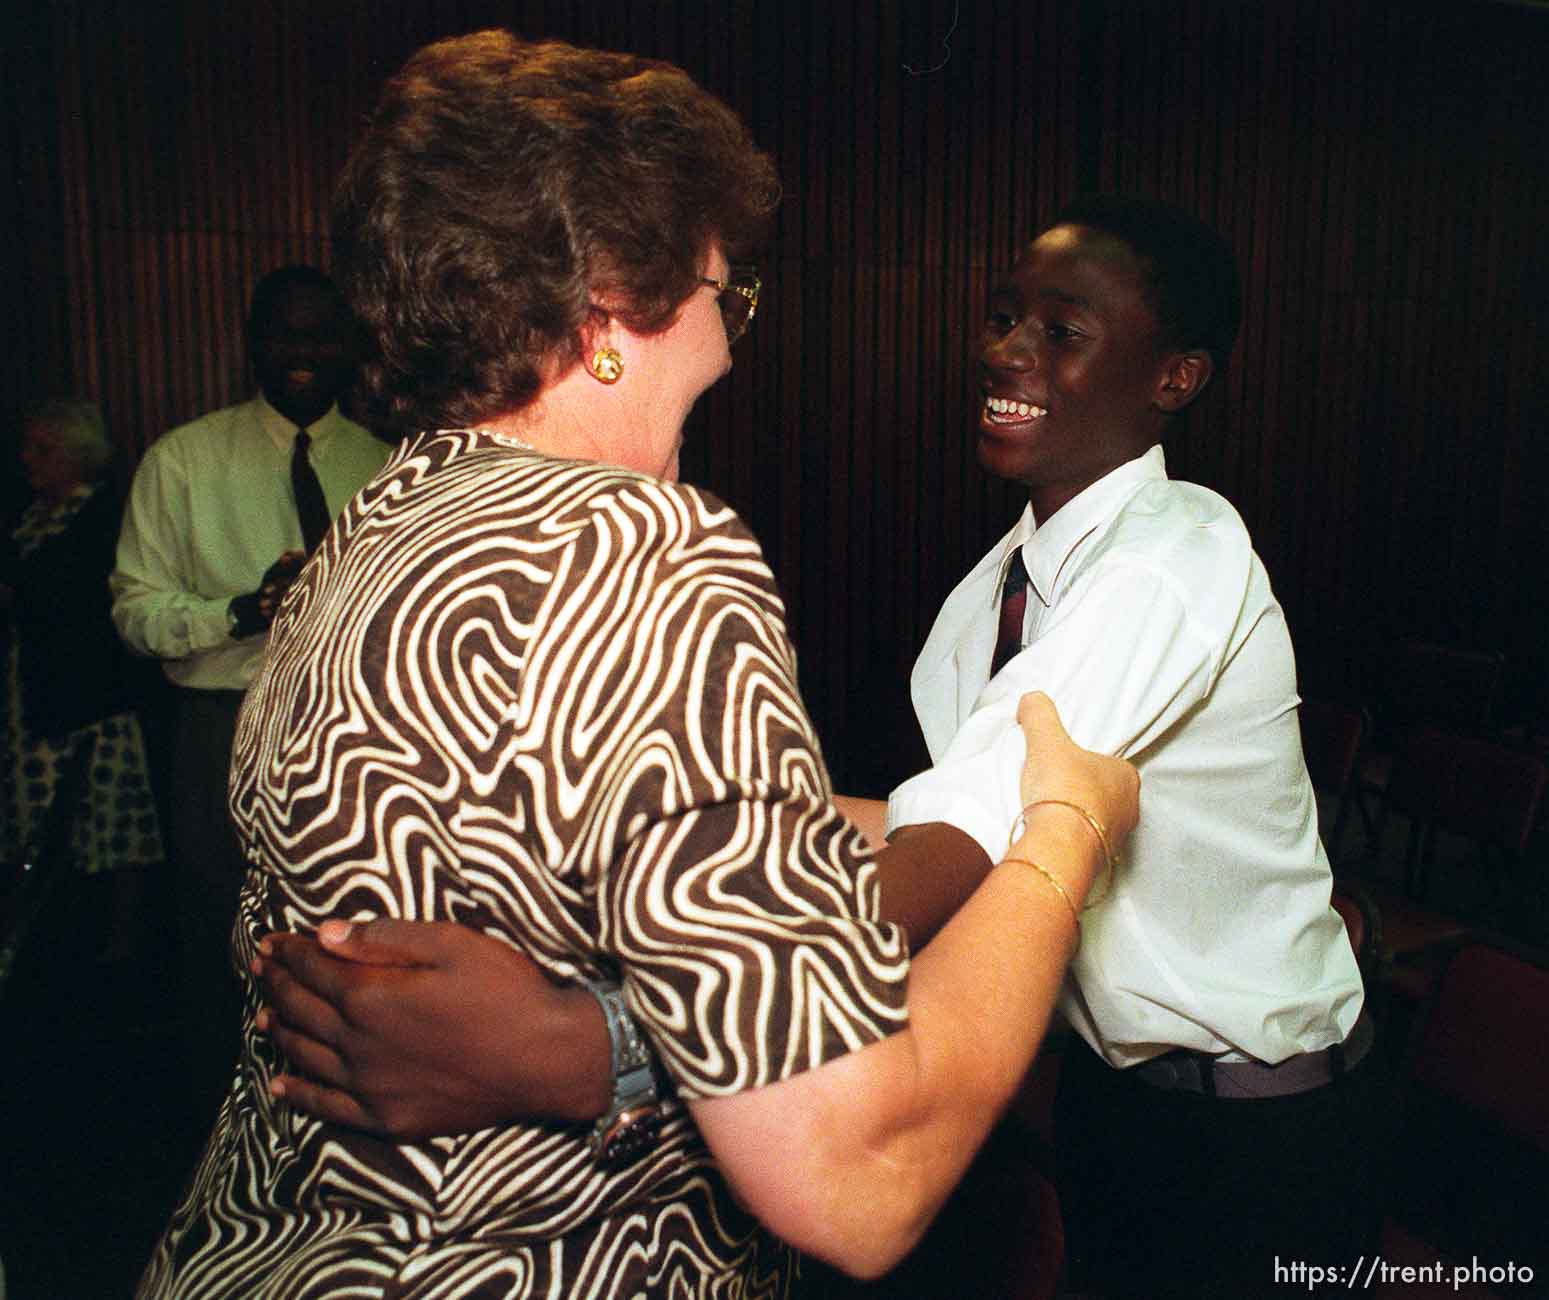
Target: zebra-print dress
(554, 701)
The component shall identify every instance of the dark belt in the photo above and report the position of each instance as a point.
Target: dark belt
(1197, 1072)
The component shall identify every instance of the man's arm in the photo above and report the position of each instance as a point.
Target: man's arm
(1123, 666)
(411, 1029)
(153, 609)
(926, 873)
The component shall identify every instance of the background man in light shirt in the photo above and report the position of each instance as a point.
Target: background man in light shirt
(212, 538)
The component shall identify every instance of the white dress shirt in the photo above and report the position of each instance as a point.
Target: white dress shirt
(1151, 624)
(210, 510)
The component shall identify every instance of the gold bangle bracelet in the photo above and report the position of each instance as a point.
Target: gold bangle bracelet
(1098, 829)
(1058, 888)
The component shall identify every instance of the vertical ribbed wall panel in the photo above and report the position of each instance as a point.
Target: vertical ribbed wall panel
(1380, 168)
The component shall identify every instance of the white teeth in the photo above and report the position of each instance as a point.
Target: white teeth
(1005, 407)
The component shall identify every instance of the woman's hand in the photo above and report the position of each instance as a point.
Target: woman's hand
(1058, 768)
(411, 1029)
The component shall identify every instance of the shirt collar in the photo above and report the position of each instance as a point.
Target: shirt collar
(1046, 547)
(283, 430)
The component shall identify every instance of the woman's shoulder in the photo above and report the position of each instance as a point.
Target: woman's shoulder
(664, 534)
(683, 526)
(699, 508)
(575, 482)
(653, 512)
(592, 512)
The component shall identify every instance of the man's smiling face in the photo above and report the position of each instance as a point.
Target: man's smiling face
(303, 352)
(1071, 365)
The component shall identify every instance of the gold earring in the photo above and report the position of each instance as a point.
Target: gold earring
(608, 365)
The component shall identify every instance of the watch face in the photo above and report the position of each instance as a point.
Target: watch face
(632, 1131)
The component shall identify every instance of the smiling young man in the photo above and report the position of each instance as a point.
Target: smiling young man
(1213, 1118)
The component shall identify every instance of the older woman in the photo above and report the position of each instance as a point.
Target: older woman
(533, 686)
(68, 679)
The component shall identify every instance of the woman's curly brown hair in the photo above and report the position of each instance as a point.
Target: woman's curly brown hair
(504, 192)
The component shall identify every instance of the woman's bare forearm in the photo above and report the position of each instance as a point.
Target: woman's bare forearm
(870, 1144)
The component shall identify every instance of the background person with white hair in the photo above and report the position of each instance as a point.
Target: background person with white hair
(68, 678)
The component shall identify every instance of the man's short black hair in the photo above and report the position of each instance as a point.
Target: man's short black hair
(1196, 291)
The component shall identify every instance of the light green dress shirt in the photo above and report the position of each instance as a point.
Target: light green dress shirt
(210, 510)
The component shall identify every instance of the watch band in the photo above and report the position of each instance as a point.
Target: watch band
(631, 1122)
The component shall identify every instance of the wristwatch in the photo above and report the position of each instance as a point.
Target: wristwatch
(632, 1121)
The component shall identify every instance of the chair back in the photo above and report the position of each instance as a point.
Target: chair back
(1474, 788)
(1351, 914)
(1472, 1156)
(1486, 1041)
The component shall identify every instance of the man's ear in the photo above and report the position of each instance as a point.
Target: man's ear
(1184, 379)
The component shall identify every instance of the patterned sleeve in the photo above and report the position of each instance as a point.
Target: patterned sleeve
(738, 904)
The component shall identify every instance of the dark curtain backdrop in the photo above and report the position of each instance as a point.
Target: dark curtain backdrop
(1380, 167)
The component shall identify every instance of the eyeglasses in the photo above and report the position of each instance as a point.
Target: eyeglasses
(737, 297)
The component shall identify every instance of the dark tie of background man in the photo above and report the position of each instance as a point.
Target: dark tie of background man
(311, 505)
(1013, 605)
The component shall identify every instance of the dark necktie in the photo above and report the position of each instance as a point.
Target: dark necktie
(1013, 605)
(311, 505)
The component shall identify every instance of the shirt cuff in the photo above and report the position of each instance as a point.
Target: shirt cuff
(209, 625)
(981, 803)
